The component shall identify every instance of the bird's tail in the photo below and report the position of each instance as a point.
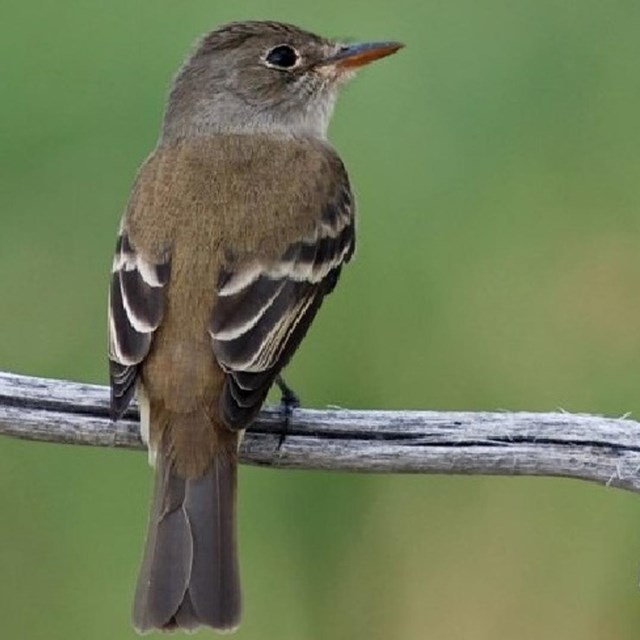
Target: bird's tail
(189, 575)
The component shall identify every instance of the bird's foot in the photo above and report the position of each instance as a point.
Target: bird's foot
(289, 401)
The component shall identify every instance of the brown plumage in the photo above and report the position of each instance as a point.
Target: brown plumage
(232, 238)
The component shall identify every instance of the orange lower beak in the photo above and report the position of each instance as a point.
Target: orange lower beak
(357, 55)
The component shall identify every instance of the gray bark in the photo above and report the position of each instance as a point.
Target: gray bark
(604, 450)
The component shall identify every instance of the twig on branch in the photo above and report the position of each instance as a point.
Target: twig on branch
(604, 450)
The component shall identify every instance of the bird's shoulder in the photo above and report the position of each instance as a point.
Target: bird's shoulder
(268, 163)
(250, 185)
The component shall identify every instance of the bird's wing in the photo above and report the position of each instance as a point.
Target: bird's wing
(265, 307)
(136, 306)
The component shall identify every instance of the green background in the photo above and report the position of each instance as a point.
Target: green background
(496, 160)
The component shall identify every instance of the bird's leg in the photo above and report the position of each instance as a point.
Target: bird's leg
(289, 401)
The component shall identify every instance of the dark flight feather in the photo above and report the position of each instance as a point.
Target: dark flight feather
(136, 306)
(264, 310)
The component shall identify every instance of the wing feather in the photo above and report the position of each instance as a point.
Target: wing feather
(264, 309)
(136, 307)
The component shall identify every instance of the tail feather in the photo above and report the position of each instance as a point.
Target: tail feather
(215, 583)
(189, 575)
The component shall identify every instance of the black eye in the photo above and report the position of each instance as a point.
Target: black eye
(283, 56)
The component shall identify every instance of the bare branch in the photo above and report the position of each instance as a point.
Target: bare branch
(605, 450)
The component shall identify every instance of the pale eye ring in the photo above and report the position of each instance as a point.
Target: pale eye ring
(282, 56)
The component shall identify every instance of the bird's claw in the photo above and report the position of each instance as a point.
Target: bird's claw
(289, 401)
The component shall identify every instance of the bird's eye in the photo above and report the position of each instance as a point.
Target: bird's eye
(282, 57)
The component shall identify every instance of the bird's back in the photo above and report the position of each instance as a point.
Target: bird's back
(220, 201)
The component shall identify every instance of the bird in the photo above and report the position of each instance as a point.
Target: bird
(238, 225)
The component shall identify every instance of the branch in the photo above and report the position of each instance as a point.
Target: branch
(604, 450)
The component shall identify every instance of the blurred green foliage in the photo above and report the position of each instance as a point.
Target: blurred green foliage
(496, 161)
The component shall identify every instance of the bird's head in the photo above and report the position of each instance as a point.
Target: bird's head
(265, 77)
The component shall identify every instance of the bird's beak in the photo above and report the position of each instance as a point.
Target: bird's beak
(357, 55)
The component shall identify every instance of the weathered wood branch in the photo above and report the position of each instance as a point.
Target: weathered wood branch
(604, 450)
